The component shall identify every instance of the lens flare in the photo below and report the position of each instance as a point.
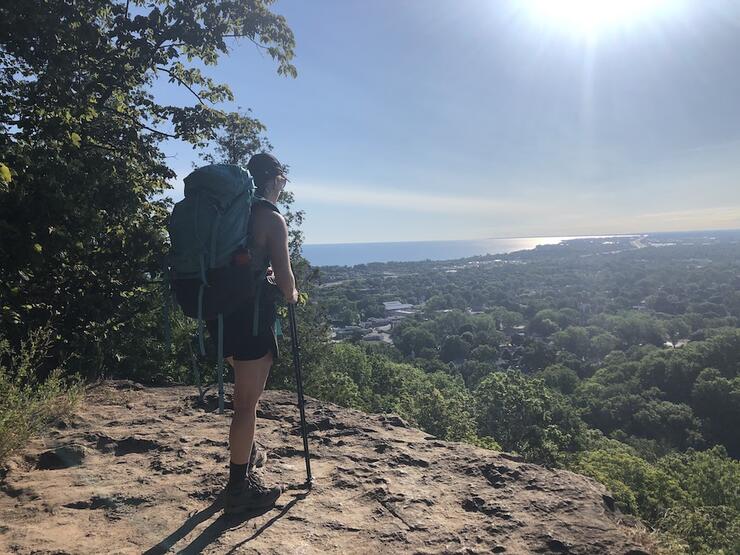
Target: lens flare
(590, 17)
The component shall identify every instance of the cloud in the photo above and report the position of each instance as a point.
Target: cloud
(722, 217)
(414, 201)
(715, 217)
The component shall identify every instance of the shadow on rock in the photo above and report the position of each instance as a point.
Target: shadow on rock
(265, 526)
(208, 401)
(186, 527)
(218, 527)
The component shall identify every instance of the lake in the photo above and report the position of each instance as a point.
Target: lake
(350, 254)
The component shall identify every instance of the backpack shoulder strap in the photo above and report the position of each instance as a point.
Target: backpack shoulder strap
(266, 203)
(259, 201)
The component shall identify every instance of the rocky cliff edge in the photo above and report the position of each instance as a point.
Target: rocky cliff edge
(137, 470)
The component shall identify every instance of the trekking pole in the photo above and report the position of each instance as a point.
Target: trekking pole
(299, 382)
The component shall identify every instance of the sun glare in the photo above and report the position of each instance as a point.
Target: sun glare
(591, 17)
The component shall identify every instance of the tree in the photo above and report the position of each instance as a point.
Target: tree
(677, 328)
(80, 139)
(240, 137)
(716, 399)
(671, 423)
(467, 336)
(343, 377)
(537, 354)
(560, 378)
(414, 339)
(638, 487)
(454, 348)
(525, 416)
(474, 371)
(484, 353)
(603, 344)
(544, 323)
(506, 317)
(573, 339)
(437, 302)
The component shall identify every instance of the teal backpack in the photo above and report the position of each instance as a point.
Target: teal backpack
(209, 267)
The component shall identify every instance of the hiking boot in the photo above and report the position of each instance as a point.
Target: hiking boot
(249, 495)
(257, 458)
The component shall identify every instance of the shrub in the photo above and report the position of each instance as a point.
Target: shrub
(638, 487)
(28, 403)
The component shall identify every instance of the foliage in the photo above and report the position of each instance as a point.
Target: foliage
(674, 396)
(702, 530)
(454, 348)
(638, 487)
(560, 378)
(80, 134)
(605, 336)
(237, 141)
(28, 404)
(525, 416)
(692, 498)
(348, 376)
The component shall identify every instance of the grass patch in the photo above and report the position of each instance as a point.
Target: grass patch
(27, 403)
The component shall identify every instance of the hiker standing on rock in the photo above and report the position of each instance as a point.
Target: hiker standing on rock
(251, 352)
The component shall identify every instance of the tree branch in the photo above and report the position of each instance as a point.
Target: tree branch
(138, 123)
(183, 83)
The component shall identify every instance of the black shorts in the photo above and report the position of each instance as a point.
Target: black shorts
(239, 339)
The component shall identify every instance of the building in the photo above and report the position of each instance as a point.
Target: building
(394, 306)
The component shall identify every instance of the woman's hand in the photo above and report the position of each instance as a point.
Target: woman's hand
(293, 299)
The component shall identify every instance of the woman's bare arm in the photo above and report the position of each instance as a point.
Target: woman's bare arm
(277, 244)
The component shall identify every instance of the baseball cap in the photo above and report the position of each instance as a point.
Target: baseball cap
(263, 166)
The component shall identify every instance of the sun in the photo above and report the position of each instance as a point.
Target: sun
(593, 17)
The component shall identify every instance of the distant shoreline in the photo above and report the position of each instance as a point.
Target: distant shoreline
(562, 237)
(353, 254)
(569, 237)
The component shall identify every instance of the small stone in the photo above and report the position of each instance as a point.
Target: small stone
(557, 546)
(65, 456)
(395, 420)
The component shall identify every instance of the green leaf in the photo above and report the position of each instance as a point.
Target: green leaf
(5, 176)
(37, 247)
(76, 139)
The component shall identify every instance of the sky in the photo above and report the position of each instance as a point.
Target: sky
(430, 120)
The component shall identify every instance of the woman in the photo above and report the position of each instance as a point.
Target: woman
(251, 355)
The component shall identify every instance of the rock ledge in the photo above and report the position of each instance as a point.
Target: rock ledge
(151, 461)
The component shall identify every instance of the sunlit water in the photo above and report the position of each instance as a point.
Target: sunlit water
(350, 254)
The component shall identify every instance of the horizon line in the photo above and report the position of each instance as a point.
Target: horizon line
(563, 237)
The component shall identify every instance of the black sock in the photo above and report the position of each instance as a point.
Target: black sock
(237, 473)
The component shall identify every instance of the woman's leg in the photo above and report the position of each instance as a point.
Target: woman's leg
(249, 382)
